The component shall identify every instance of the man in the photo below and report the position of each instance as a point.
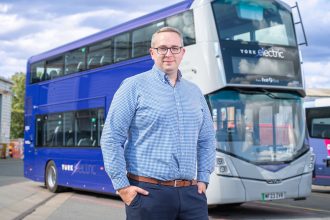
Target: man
(158, 141)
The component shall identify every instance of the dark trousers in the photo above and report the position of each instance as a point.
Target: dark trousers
(168, 203)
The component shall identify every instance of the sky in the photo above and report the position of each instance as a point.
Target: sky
(29, 27)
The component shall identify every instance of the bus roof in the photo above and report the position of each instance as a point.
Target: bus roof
(129, 25)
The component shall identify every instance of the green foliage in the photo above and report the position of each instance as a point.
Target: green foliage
(17, 114)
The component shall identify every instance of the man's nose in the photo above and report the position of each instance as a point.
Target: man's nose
(168, 52)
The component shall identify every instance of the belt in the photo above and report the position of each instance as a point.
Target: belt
(174, 183)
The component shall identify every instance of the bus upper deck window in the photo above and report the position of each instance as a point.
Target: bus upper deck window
(251, 12)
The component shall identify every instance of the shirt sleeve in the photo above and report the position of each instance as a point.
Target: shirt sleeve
(115, 133)
(206, 145)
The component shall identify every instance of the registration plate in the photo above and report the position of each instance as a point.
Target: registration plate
(272, 196)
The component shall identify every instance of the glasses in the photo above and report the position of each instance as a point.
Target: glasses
(163, 50)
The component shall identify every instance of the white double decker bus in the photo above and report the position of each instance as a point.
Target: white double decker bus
(246, 61)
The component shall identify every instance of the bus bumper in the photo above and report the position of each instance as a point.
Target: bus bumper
(226, 190)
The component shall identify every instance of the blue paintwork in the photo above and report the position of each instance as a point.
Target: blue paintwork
(80, 167)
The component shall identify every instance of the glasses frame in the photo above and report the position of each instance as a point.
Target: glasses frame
(167, 48)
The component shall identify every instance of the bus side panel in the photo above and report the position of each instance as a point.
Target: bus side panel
(83, 172)
(28, 150)
(321, 148)
(29, 137)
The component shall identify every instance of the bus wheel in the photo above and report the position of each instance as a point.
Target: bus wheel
(51, 178)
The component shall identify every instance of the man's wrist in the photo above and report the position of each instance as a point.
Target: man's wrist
(118, 191)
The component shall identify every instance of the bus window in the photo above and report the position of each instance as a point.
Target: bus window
(70, 137)
(265, 136)
(87, 128)
(318, 122)
(320, 128)
(185, 23)
(54, 130)
(40, 133)
(99, 54)
(230, 121)
(70, 129)
(75, 61)
(53, 68)
(37, 71)
(141, 39)
(100, 123)
(267, 23)
(121, 47)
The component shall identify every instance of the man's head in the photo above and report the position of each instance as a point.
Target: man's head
(167, 49)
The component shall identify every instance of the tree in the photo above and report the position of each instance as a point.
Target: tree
(17, 114)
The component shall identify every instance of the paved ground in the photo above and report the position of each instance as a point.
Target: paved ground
(11, 171)
(21, 198)
(24, 199)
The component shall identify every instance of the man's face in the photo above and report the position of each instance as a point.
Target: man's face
(169, 62)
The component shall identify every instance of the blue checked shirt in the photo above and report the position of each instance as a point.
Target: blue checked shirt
(156, 130)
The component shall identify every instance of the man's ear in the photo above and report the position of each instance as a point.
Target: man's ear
(152, 53)
(183, 50)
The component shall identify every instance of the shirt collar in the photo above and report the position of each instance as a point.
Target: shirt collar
(163, 76)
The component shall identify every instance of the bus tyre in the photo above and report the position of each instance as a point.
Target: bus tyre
(51, 178)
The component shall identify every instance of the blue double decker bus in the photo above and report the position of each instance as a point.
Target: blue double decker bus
(242, 54)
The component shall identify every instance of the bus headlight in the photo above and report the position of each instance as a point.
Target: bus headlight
(220, 161)
(310, 164)
(221, 167)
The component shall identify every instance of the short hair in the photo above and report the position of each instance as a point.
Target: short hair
(166, 29)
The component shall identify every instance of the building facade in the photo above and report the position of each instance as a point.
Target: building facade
(5, 110)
